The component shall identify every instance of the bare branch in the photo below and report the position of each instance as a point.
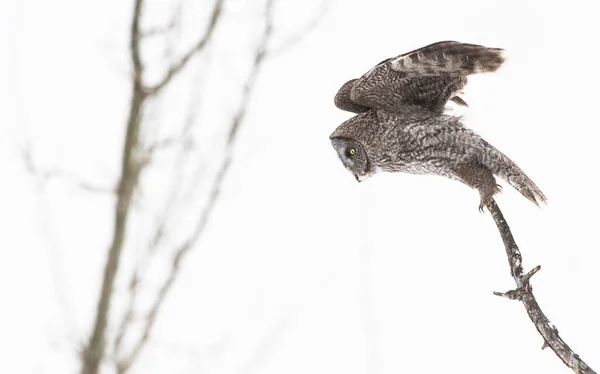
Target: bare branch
(128, 316)
(199, 46)
(168, 143)
(72, 178)
(134, 284)
(65, 175)
(134, 47)
(130, 171)
(185, 144)
(162, 30)
(158, 31)
(125, 363)
(524, 293)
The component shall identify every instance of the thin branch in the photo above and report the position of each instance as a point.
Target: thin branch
(163, 30)
(125, 363)
(128, 316)
(184, 144)
(134, 47)
(73, 178)
(137, 276)
(65, 175)
(168, 143)
(157, 31)
(176, 68)
(130, 172)
(524, 293)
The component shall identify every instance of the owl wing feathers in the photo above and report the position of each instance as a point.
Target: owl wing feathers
(427, 77)
(343, 101)
(448, 57)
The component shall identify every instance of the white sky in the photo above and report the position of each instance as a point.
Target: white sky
(302, 269)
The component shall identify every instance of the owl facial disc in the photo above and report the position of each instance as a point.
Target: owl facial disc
(353, 156)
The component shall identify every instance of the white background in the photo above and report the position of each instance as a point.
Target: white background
(302, 269)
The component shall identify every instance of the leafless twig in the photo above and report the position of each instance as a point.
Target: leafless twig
(61, 174)
(524, 293)
(200, 44)
(163, 30)
(125, 362)
(184, 144)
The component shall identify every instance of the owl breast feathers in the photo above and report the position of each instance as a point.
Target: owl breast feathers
(400, 124)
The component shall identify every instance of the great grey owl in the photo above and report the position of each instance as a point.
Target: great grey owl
(400, 124)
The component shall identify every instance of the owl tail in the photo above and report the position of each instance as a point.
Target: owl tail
(506, 169)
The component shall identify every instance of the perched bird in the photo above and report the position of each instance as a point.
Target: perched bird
(401, 126)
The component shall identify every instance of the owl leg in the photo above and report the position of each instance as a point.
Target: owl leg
(477, 176)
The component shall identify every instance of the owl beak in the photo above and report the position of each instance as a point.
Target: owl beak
(359, 178)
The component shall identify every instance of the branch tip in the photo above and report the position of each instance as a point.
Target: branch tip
(531, 273)
(512, 294)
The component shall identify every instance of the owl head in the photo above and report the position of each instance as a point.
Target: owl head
(353, 156)
(353, 140)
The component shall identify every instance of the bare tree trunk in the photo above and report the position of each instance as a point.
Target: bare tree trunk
(130, 170)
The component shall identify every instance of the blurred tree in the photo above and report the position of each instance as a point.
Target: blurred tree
(189, 185)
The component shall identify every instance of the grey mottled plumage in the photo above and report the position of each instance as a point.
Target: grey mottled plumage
(401, 127)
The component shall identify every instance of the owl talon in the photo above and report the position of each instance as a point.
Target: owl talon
(483, 204)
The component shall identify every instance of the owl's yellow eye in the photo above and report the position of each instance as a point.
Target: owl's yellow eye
(351, 151)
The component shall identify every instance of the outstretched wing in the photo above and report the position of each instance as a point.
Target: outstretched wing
(428, 77)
